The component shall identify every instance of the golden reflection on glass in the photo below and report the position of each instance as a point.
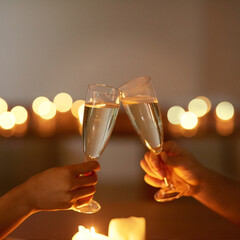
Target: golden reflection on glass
(36, 103)
(174, 114)
(198, 106)
(189, 120)
(225, 110)
(63, 102)
(3, 106)
(80, 113)
(20, 114)
(80, 116)
(75, 107)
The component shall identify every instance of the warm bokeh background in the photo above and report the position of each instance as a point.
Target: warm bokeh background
(189, 48)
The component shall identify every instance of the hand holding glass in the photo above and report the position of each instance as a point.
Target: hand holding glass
(100, 113)
(141, 105)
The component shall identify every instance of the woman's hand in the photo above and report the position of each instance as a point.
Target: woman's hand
(61, 188)
(175, 159)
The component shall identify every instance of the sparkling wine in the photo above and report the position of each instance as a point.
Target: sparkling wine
(145, 117)
(98, 123)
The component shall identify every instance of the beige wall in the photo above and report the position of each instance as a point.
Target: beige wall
(189, 47)
(60, 45)
(222, 71)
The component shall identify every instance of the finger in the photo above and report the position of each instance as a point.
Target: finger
(155, 182)
(81, 202)
(85, 167)
(82, 192)
(156, 165)
(146, 168)
(146, 155)
(83, 181)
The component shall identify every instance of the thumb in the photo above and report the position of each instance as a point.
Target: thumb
(85, 167)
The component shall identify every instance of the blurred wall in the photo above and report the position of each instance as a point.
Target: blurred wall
(189, 48)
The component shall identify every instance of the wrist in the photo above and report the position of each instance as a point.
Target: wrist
(23, 197)
(202, 180)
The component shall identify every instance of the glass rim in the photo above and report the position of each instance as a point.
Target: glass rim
(90, 87)
(146, 80)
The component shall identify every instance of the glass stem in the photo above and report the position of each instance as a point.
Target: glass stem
(166, 181)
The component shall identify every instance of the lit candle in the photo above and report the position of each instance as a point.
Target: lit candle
(133, 228)
(85, 234)
(21, 117)
(225, 118)
(44, 112)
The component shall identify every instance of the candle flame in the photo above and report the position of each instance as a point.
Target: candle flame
(20, 114)
(207, 101)
(92, 230)
(7, 120)
(63, 102)
(198, 106)
(81, 228)
(36, 103)
(189, 120)
(174, 114)
(225, 110)
(47, 110)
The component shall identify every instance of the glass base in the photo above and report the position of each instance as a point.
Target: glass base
(91, 207)
(171, 192)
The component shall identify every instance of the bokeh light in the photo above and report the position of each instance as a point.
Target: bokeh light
(198, 106)
(37, 102)
(63, 102)
(7, 120)
(225, 110)
(75, 107)
(207, 101)
(20, 114)
(47, 110)
(189, 120)
(174, 114)
(3, 106)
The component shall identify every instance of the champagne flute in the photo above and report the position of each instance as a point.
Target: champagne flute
(141, 105)
(101, 108)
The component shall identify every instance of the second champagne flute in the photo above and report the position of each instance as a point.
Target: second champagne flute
(100, 113)
(141, 105)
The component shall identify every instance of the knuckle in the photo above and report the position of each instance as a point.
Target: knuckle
(94, 165)
(146, 155)
(156, 169)
(142, 163)
(156, 166)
